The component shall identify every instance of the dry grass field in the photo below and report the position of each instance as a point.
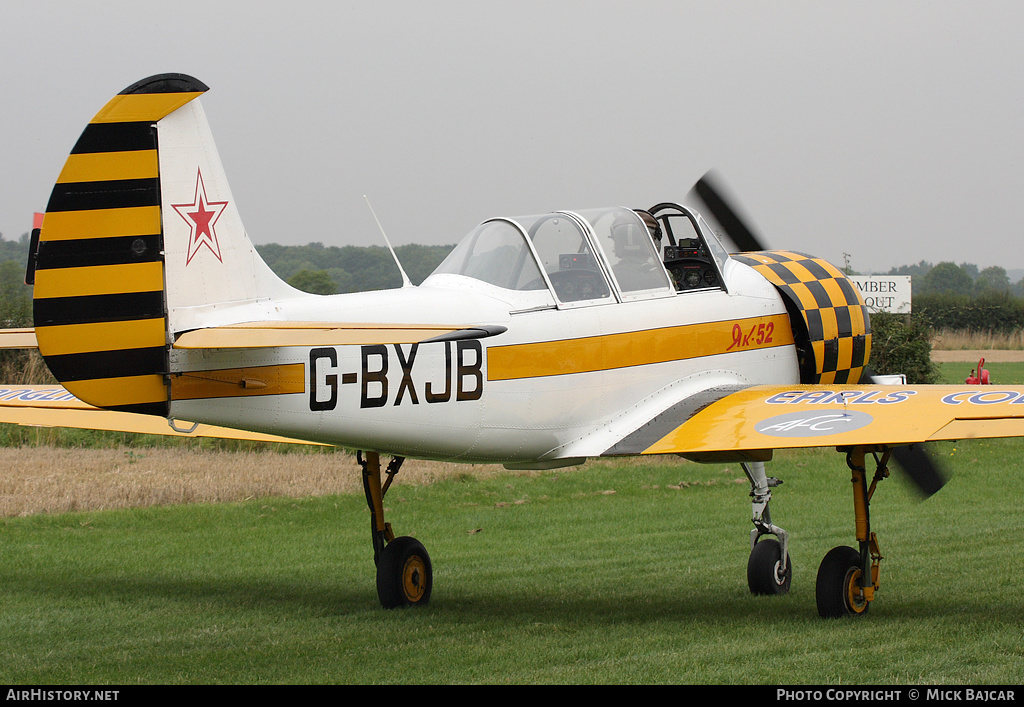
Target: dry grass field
(951, 340)
(973, 355)
(54, 480)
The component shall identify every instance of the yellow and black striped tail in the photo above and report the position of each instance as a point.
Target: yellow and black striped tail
(99, 300)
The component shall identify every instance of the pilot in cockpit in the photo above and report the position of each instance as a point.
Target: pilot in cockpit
(636, 266)
(653, 227)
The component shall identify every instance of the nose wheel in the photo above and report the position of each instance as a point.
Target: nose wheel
(769, 569)
(766, 572)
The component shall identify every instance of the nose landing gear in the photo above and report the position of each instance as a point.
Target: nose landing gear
(769, 569)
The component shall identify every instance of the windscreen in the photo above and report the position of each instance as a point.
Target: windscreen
(495, 252)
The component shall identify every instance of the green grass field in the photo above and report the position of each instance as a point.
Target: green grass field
(1004, 373)
(631, 573)
(608, 574)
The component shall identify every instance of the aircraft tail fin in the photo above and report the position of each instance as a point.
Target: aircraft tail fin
(140, 232)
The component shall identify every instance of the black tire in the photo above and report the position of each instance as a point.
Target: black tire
(837, 591)
(763, 576)
(404, 574)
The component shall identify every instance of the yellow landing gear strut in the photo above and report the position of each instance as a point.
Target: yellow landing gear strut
(404, 573)
(848, 577)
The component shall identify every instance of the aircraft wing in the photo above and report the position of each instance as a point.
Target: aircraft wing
(53, 406)
(751, 421)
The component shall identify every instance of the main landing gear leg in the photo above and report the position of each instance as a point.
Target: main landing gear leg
(848, 577)
(769, 569)
(404, 574)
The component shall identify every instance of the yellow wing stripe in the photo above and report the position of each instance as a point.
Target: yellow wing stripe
(597, 353)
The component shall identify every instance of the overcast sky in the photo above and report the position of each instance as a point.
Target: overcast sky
(892, 132)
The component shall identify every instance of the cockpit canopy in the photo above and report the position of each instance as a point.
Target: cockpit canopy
(594, 256)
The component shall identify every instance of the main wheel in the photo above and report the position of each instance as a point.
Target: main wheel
(764, 575)
(404, 574)
(838, 592)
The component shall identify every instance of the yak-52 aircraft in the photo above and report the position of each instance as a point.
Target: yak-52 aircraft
(540, 341)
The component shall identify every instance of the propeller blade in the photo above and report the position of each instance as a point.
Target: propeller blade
(921, 467)
(710, 191)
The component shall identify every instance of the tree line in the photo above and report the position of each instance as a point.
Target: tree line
(965, 298)
(312, 268)
(945, 295)
(948, 278)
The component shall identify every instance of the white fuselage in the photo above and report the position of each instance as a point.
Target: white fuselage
(557, 383)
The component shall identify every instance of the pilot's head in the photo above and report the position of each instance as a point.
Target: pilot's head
(631, 237)
(652, 226)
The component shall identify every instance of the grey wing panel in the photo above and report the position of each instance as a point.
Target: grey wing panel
(662, 424)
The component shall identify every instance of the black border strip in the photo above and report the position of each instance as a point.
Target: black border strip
(91, 252)
(91, 309)
(116, 137)
(108, 364)
(114, 194)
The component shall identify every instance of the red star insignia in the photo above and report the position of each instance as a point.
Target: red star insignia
(201, 216)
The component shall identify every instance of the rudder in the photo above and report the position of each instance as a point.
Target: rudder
(98, 302)
(128, 250)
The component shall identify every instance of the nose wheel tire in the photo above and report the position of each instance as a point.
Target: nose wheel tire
(838, 591)
(404, 574)
(764, 569)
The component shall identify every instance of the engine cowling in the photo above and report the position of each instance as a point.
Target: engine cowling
(831, 324)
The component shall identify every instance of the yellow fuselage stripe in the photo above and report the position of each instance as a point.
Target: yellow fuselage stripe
(239, 382)
(637, 348)
(100, 280)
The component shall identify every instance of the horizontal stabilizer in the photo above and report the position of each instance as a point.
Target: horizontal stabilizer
(18, 338)
(271, 334)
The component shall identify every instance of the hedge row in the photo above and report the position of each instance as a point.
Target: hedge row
(999, 313)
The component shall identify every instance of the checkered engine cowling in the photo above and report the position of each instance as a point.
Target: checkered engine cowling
(831, 325)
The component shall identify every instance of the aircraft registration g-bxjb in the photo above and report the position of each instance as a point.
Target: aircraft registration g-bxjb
(539, 342)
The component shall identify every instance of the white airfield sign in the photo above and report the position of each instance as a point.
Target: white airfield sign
(884, 293)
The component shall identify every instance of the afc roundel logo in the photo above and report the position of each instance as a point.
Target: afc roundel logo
(813, 424)
(201, 216)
